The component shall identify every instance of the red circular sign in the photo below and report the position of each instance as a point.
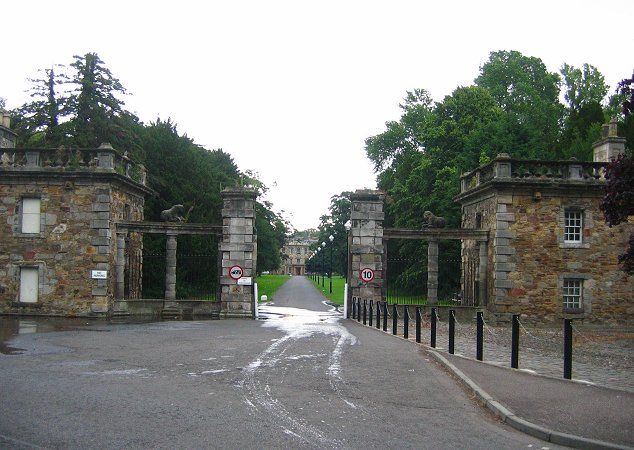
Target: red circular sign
(236, 272)
(367, 275)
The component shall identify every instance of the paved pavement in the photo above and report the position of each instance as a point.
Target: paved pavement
(300, 378)
(574, 413)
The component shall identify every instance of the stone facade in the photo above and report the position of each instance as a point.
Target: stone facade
(80, 194)
(294, 256)
(238, 249)
(527, 207)
(367, 247)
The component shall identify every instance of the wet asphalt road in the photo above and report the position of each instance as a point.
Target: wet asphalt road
(301, 378)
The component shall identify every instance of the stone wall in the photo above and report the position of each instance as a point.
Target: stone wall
(524, 206)
(77, 228)
(367, 248)
(540, 260)
(238, 248)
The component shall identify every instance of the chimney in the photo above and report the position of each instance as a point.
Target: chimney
(610, 145)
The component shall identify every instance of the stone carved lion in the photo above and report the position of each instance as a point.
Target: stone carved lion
(432, 221)
(174, 214)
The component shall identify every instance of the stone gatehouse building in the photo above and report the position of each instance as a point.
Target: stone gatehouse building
(550, 252)
(58, 209)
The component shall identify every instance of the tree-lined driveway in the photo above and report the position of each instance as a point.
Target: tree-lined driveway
(300, 378)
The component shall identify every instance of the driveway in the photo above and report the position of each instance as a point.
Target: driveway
(301, 377)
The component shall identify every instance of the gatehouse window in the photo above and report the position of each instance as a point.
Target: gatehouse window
(573, 293)
(29, 284)
(31, 215)
(573, 226)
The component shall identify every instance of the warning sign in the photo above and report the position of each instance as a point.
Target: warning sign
(236, 272)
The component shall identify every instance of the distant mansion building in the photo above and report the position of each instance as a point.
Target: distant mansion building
(294, 256)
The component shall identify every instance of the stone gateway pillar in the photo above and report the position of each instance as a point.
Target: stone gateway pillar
(238, 253)
(367, 247)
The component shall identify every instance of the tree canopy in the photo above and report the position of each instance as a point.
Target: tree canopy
(513, 107)
(80, 105)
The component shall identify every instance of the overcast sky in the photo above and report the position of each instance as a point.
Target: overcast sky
(291, 89)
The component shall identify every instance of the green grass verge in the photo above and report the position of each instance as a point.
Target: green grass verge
(268, 284)
(338, 283)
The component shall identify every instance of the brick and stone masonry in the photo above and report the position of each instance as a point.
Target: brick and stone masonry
(82, 193)
(238, 248)
(523, 204)
(367, 248)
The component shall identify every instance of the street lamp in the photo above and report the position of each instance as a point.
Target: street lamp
(317, 263)
(331, 238)
(348, 227)
(323, 266)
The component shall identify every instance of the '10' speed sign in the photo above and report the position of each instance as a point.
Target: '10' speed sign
(367, 275)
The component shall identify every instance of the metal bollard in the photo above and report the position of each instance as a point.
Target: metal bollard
(378, 315)
(479, 334)
(394, 319)
(365, 311)
(354, 307)
(358, 309)
(515, 341)
(371, 313)
(432, 337)
(452, 329)
(568, 349)
(418, 324)
(405, 322)
(385, 317)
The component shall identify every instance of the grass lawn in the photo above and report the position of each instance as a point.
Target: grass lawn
(337, 289)
(268, 284)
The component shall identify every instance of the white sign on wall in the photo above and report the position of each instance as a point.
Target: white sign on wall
(99, 274)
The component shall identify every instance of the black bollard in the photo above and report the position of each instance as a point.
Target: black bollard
(452, 329)
(385, 317)
(364, 311)
(418, 324)
(405, 322)
(515, 341)
(354, 307)
(371, 313)
(432, 337)
(378, 315)
(394, 319)
(479, 335)
(358, 309)
(568, 349)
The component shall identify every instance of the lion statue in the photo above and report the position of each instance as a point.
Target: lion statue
(174, 214)
(432, 221)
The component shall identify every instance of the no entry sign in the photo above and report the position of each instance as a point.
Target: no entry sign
(236, 272)
(367, 275)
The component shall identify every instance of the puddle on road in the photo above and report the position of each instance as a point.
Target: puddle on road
(14, 326)
(11, 327)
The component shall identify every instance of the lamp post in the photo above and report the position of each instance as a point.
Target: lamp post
(331, 238)
(323, 246)
(348, 227)
(317, 264)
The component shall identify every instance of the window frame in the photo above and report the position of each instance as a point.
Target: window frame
(25, 225)
(572, 288)
(22, 297)
(577, 229)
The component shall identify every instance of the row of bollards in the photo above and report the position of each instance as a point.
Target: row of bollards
(364, 310)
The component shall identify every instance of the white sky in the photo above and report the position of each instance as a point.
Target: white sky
(291, 89)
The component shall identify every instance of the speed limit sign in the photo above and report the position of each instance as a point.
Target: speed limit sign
(367, 275)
